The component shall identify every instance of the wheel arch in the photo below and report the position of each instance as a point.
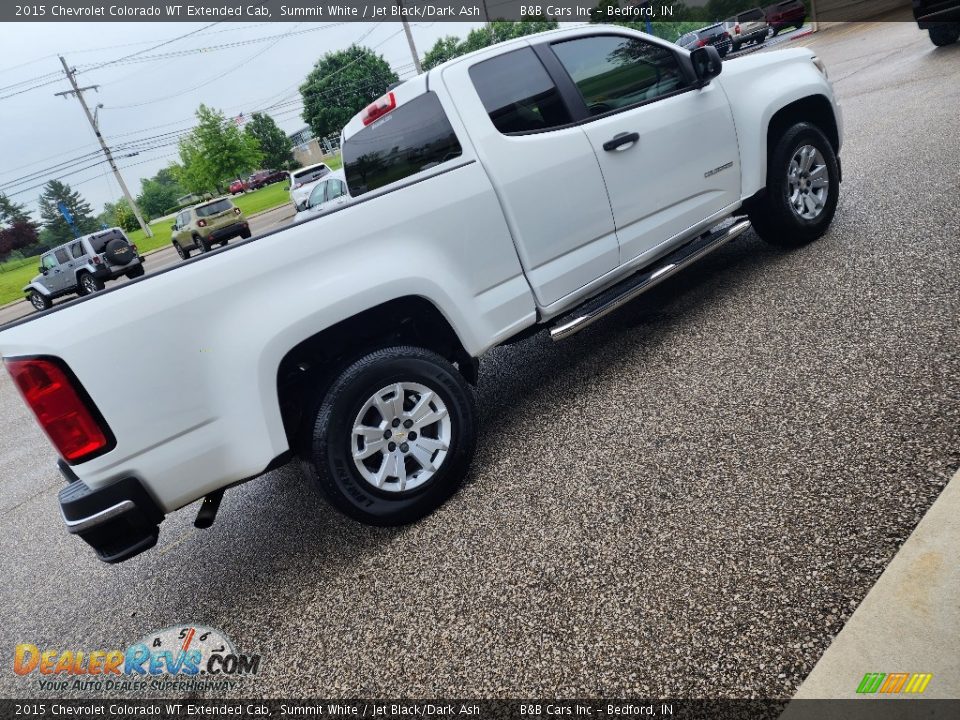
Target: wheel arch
(815, 109)
(311, 365)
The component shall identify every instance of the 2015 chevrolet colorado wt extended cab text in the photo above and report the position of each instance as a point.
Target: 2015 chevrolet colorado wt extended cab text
(538, 183)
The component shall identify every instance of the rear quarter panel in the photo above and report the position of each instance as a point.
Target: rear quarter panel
(183, 365)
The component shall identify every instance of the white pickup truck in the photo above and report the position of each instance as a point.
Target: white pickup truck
(536, 184)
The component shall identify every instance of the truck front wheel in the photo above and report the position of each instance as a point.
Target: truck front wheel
(946, 34)
(393, 437)
(803, 186)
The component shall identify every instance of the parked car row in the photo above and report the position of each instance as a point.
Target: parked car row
(259, 179)
(751, 26)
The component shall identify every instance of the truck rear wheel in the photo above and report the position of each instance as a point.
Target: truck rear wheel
(393, 437)
(803, 186)
(946, 34)
(89, 284)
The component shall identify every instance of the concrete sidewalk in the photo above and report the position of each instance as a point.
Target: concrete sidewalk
(909, 622)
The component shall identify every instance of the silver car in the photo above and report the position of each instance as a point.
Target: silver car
(327, 195)
(747, 27)
(302, 182)
(82, 266)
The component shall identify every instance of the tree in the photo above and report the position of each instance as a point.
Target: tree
(215, 152)
(12, 212)
(55, 192)
(443, 49)
(18, 235)
(450, 47)
(159, 193)
(340, 85)
(274, 143)
(119, 214)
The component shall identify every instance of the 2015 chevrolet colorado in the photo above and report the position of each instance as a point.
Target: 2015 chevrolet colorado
(540, 183)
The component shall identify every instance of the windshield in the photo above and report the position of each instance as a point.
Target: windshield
(214, 208)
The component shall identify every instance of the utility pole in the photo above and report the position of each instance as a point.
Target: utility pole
(78, 91)
(406, 30)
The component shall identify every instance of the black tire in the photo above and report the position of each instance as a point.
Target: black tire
(246, 234)
(181, 251)
(329, 434)
(772, 215)
(201, 244)
(799, 24)
(946, 34)
(135, 272)
(119, 252)
(723, 50)
(39, 302)
(735, 47)
(762, 40)
(88, 284)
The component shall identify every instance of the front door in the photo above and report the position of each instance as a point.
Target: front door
(544, 171)
(668, 150)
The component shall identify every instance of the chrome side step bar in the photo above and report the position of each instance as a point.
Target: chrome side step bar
(625, 291)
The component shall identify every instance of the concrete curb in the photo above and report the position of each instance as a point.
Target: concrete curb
(909, 622)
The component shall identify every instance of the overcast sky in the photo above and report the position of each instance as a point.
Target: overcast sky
(39, 130)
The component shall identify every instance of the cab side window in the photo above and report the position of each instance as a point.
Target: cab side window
(77, 250)
(316, 195)
(518, 94)
(62, 256)
(614, 71)
(335, 189)
(48, 262)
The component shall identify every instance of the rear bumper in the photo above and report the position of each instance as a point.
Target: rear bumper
(228, 232)
(117, 521)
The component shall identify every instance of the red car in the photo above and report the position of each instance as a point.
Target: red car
(791, 13)
(238, 186)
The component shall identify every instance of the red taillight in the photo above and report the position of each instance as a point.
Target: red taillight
(737, 29)
(61, 408)
(96, 260)
(236, 211)
(134, 246)
(701, 43)
(378, 108)
(201, 223)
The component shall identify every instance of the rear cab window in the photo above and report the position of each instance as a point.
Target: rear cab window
(77, 250)
(415, 137)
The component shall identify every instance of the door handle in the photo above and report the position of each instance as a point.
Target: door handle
(621, 140)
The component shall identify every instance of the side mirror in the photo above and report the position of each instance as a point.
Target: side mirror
(173, 228)
(41, 269)
(706, 64)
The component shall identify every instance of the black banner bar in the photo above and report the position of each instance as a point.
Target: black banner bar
(859, 709)
(418, 10)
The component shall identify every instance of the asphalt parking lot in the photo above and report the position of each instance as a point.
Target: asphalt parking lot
(686, 500)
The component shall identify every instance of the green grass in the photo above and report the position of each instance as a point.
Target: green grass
(14, 276)
(17, 273)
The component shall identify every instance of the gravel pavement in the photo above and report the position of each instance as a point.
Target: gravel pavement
(687, 499)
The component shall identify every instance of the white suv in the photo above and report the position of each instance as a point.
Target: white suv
(302, 182)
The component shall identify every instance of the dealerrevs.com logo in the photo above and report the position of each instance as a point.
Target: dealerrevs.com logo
(191, 657)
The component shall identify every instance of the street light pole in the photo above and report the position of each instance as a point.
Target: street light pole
(78, 91)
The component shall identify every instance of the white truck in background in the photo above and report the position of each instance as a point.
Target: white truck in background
(535, 184)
